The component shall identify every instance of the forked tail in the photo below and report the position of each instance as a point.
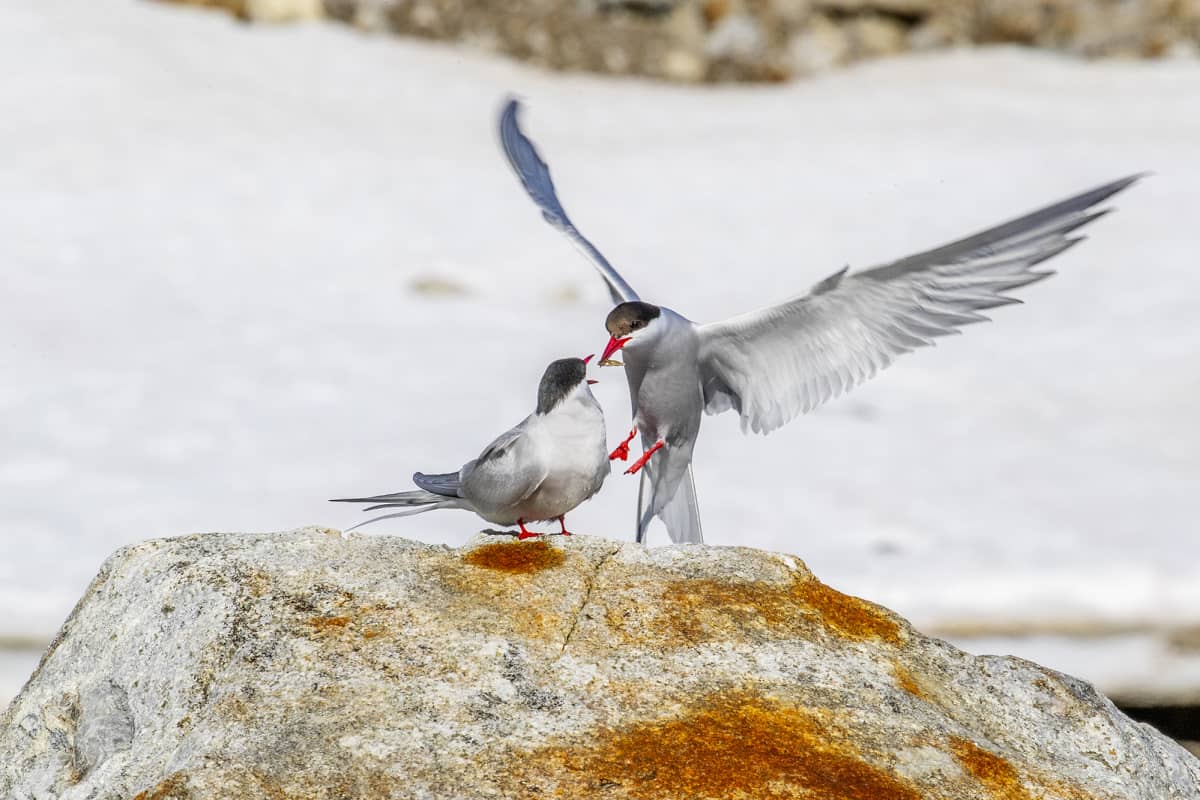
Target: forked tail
(437, 491)
(681, 514)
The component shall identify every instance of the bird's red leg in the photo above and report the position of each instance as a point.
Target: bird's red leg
(563, 522)
(641, 462)
(524, 534)
(622, 451)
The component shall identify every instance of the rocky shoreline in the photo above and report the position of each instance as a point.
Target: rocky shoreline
(755, 40)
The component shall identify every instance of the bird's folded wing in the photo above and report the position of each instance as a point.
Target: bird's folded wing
(506, 472)
(535, 177)
(774, 364)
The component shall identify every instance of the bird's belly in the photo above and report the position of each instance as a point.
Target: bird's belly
(559, 494)
(669, 407)
(676, 431)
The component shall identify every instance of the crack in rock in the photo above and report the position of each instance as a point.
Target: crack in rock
(587, 596)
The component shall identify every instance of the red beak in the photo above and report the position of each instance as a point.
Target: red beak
(590, 381)
(614, 344)
(586, 359)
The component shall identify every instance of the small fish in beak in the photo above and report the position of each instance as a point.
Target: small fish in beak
(614, 344)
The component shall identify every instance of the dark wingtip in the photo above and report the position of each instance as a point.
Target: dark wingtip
(509, 122)
(512, 105)
(1102, 193)
(507, 125)
(1122, 184)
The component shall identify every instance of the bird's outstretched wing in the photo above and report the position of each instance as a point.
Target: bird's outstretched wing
(773, 364)
(535, 177)
(506, 472)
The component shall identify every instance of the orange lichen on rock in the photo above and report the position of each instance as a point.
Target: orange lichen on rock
(708, 608)
(715, 10)
(850, 616)
(347, 619)
(906, 681)
(173, 788)
(723, 746)
(528, 590)
(516, 557)
(704, 608)
(326, 623)
(994, 772)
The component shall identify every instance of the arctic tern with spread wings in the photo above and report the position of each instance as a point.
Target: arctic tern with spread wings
(774, 364)
(548, 464)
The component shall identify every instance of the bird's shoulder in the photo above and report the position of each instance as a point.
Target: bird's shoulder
(505, 446)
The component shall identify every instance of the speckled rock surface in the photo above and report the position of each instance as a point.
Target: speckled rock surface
(757, 40)
(305, 665)
(265, 10)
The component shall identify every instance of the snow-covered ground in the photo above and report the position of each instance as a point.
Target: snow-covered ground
(210, 234)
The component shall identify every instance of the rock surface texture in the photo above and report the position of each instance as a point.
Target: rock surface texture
(306, 665)
(716, 40)
(265, 10)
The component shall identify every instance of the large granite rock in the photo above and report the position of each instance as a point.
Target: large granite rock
(718, 40)
(308, 665)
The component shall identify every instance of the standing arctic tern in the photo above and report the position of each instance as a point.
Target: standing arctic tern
(779, 362)
(553, 460)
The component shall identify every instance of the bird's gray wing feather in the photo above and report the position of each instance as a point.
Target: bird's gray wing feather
(506, 472)
(773, 364)
(534, 175)
(447, 484)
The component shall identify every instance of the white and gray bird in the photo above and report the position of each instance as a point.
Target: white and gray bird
(553, 460)
(779, 362)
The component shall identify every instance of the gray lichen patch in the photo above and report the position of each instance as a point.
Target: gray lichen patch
(104, 725)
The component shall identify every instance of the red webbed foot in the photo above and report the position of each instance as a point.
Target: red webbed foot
(622, 450)
(641, 462)
(562, 521)
(524, 534)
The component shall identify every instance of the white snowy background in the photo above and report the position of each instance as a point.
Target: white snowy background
(210, 234)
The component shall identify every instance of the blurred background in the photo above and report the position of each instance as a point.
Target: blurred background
(249, 266)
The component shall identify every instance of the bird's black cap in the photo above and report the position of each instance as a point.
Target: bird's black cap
(558, 381)
(629, 317)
